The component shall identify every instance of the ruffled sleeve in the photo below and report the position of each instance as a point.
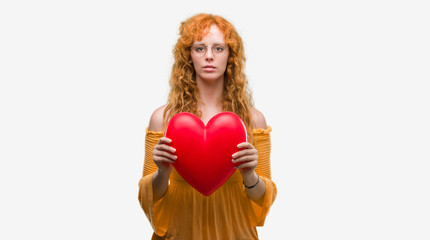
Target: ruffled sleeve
(259, 209)
(158, 213)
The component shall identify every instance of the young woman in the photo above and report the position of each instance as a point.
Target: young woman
(207, 78)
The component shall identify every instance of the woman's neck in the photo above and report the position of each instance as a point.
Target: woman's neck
(210, 93)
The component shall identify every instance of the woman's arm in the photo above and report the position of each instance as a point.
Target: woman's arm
(248, 157)
(257, 192)
(163, 156)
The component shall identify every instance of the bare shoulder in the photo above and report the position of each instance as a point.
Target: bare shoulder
(258, 119)
(156, 122)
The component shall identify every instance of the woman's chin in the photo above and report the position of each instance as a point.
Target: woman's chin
(210, 77)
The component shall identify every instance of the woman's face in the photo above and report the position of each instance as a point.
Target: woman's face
(210, 55)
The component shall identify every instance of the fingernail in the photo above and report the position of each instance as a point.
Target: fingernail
(176, 157)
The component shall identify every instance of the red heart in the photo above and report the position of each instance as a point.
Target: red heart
(204, 152)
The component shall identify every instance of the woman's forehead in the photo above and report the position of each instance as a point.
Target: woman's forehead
(213, 34)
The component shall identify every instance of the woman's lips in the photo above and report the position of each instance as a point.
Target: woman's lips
(209, 68)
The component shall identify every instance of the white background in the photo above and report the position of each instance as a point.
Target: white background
(344, 85)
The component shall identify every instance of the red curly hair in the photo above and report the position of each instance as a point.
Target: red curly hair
(184, 94)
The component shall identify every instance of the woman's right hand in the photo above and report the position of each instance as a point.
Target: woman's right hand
(162, 155)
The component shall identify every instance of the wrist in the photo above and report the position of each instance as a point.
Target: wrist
(251, 179)
(163, 173)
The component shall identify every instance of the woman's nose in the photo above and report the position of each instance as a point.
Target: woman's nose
(209, 56)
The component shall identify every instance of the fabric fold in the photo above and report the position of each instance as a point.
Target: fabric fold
(258, 210)
(157, 213)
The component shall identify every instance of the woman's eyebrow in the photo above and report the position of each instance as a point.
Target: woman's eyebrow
(215, 43)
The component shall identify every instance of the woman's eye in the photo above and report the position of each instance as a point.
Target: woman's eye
(200, 49)
(219, 49)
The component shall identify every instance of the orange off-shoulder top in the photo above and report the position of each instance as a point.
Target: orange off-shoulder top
(228, 213)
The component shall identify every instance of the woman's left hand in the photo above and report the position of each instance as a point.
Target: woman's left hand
(247, 159)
